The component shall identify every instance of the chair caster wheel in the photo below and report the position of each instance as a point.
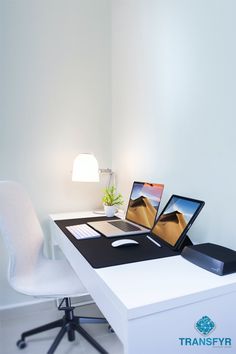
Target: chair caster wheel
(110, 329)
(21, 344)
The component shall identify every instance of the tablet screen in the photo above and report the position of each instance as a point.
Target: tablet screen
(176, 218)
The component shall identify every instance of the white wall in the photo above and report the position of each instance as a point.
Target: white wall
(55, 102)
(174, 104)
(173, 88)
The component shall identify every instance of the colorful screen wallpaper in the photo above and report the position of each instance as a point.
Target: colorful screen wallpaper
(174, 220)
(144, 202)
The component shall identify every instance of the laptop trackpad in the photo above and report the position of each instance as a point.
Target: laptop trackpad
(106, 228)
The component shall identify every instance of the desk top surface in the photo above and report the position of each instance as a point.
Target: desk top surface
(158, 284)
(164, 280)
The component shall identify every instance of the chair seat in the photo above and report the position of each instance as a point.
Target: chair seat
(49, 278)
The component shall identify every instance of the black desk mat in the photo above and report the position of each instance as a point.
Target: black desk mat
(99, 252)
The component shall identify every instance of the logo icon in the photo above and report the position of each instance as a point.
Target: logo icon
(205, 325)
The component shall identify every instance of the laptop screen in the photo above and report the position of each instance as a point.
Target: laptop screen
(176, 219)
(144, 203)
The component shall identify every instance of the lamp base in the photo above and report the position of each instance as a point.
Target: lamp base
(99, 211)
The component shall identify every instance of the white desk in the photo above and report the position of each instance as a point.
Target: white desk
(152, 304)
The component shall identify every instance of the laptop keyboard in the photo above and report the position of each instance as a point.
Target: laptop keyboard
(82, 231)
(124, 226)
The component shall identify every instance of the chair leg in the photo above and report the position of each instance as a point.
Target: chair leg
(69, 324)
(51, 325)
(86, 319)
(71, 333)
(57, 340)
(90, 339)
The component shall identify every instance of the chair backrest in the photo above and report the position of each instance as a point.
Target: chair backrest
(20, 229)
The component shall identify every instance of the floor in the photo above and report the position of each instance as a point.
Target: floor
(12, 323)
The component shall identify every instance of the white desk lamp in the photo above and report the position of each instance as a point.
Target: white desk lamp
(85, 169)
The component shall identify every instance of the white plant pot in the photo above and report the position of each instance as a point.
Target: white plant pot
(110, 210)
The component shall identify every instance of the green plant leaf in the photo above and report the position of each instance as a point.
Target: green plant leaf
(110, 196)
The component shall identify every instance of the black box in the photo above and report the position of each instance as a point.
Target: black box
(214, 258)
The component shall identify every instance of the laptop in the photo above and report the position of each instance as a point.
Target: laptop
(141, 213)
(175, 220)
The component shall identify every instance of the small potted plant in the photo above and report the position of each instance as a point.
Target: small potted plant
(111, 200)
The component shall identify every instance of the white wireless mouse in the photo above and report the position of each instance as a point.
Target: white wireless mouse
(124, 242)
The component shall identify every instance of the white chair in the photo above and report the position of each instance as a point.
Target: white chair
(31, 273)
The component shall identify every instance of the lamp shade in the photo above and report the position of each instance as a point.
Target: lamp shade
(85, 168)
